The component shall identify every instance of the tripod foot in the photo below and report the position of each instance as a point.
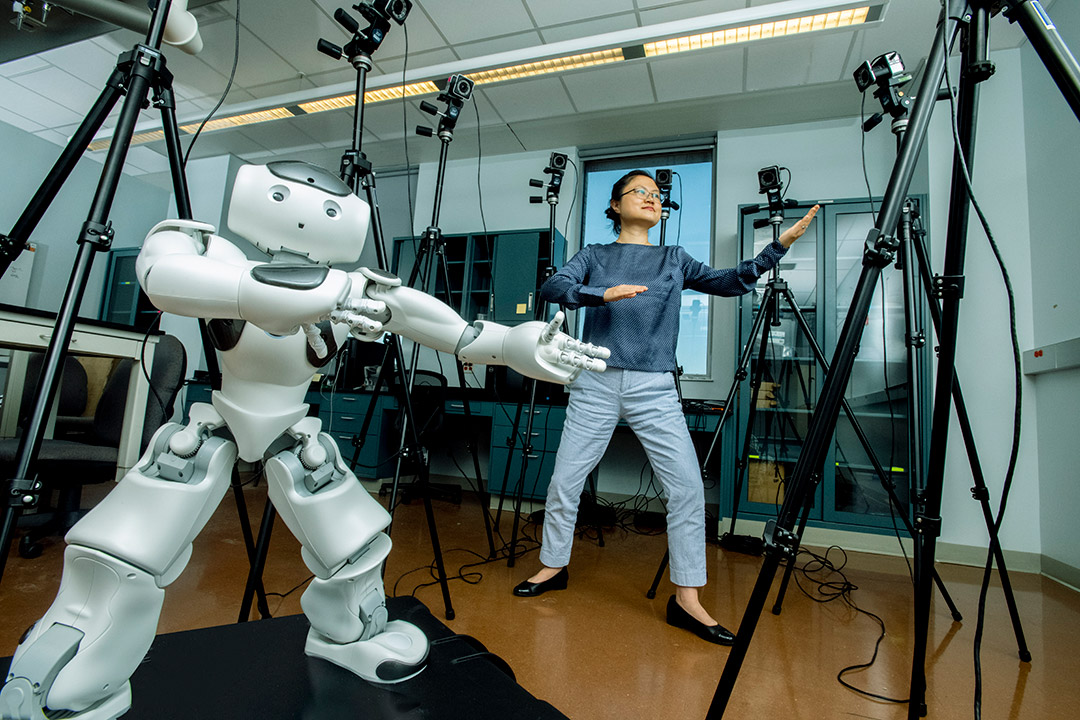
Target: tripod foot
(397, 653)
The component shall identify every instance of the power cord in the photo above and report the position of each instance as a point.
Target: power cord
(228, 86)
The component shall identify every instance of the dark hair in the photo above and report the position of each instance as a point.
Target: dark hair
(617, 191)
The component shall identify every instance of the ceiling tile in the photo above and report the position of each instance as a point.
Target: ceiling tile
(146, 159)
(690, 76)
(258, 64)
(85, 60)
(19, 121)
(279, 133)
(683, 10)
(292, 30)
(22, 65)
(462, 21)
(506, 43)
(61, 87)
(282, 87)
(333, 127)
(589, 28)
(57, 138)
(34, 106)
(392, 66)
(387, 120)
(615, 86)
(552, 12)
(530, 99)
(780, 63)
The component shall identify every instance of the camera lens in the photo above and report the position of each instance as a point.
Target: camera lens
(663, 177)
(558, 161)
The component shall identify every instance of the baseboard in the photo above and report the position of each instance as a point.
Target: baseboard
(1065, 574)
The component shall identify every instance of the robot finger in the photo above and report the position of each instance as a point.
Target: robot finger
(584, 348)
(366, 307)
(552, 327)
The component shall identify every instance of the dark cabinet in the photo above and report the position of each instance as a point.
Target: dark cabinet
(492, 276)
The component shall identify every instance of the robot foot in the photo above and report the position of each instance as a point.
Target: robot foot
(15, 703)
(398, 653)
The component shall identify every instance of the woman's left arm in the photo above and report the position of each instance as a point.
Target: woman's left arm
(743, 277)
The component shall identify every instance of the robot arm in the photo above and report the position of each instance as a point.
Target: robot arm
(185, 269)
(536, 349)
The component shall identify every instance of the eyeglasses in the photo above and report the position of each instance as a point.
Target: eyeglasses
(643, 193)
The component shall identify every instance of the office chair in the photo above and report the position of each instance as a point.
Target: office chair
(429, 408)
(67, 465)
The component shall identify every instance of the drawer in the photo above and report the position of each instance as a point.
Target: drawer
(537, 474)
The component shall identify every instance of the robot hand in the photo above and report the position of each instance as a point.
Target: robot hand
(536, 349)
(365, 318)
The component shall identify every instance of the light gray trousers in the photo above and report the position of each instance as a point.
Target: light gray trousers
(649, 403)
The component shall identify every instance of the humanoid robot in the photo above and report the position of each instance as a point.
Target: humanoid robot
(274, 323)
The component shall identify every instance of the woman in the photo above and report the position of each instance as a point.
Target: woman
(632, 289)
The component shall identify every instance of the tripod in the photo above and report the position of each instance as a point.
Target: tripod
(879, 251)
(556, 167)
(137, 73)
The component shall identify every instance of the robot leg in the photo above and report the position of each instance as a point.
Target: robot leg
(340, 526)
(75, 662)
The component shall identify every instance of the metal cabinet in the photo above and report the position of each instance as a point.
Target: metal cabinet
(821, 269)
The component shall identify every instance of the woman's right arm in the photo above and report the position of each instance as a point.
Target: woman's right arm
(568, 286)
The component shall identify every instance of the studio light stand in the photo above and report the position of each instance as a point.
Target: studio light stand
(137, 73)
(880, 249)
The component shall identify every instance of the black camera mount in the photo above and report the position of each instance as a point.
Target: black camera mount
(457, 90)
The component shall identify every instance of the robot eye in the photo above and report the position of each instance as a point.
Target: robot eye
(332, 209)
(278, 193)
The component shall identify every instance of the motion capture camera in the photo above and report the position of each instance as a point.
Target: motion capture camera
(459, 87)
(769, 179)
(396, 10)
(879, 70)
(663, 178)
(557, 162)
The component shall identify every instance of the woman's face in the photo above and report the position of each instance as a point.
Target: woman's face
(640, 202)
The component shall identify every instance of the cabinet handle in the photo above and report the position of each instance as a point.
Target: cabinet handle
(346, 418)
(458, 405)
(529, 306)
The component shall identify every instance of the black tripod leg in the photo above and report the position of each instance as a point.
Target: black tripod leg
(879, 249)
(659, 575)
(791, 561)
(258, 563)
(249, 546)
(511, 444)
(481, 487)
(901, 511)
(519, 488)
(596, 525)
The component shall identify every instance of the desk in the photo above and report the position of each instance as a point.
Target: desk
(27, 330)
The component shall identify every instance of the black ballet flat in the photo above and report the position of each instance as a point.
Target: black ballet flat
(530, 589)
(677, 617)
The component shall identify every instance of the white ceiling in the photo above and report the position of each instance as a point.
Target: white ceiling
(778, 81)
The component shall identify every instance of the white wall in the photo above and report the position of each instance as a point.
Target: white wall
(1053, 155)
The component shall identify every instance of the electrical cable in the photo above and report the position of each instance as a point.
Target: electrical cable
(862, 143)
(228, 87)
(573, 198)
(678, 231)
(830, 590)
(1018, 390)
(146, 373)
(405, 143)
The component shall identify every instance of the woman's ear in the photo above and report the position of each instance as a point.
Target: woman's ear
(614, 207)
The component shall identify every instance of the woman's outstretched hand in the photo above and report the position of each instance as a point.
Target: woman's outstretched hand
(621, 292)
(793, 233)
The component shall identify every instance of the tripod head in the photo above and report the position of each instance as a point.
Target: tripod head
(458, 89)
(772, 187)
(366, 41)
(887, 72)
(663, 183)
(555, 168)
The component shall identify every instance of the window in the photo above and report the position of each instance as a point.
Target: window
(689, 226)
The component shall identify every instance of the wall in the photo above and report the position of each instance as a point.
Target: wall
(26, 161)
(1053, 154)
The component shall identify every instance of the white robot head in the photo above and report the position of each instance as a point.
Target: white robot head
(299, 208)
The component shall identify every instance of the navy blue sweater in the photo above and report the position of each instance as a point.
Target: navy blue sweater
(642, 331)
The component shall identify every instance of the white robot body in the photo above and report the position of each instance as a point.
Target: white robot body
(139, 538)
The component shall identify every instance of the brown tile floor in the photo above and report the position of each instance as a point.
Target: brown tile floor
(602, 650)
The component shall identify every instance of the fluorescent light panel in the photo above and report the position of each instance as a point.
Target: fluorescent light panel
(759, 31)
